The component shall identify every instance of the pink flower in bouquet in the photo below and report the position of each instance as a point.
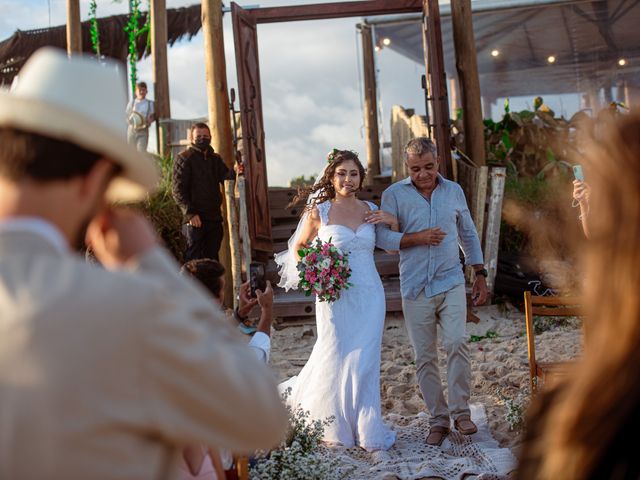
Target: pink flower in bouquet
(324, 270)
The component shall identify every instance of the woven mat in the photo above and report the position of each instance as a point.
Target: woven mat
(459, 457)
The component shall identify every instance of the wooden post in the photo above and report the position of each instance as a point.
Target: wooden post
(244, 224)
(370, 105)
(218, 101)
(436, 83)
(234, 240)
(454, 100)
(467, 66)
(74, 28)
(494, 216)
(160, 71)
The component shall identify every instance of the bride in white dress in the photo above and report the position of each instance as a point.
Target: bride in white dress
(341, 379)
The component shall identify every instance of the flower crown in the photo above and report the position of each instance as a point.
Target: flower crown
(334, 153)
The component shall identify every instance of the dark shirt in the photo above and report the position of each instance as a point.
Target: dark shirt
(197, 177)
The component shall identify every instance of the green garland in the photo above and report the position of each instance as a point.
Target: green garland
(134, 31)
(93, 29)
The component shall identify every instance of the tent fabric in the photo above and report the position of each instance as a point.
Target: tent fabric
(586, 39)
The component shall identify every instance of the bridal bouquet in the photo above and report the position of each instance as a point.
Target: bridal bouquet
(324, 270)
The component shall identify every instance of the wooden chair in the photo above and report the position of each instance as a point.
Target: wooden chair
(546, 372)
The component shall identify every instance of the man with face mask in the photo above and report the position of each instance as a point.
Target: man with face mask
(198, 173)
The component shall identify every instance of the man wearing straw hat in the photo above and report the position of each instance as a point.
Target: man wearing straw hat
(104, 373)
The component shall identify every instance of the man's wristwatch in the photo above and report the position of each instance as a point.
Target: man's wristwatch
(483, 272)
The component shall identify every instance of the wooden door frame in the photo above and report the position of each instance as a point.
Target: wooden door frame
(325, 11)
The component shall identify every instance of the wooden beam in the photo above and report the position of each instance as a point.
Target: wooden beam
(370, 105)
(494, 215)
(437, 84)
(467, 67)
(326, 11)
(160, 70)
(74, 28)
(219, 115)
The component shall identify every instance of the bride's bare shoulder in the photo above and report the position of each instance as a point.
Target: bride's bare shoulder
(366, 206)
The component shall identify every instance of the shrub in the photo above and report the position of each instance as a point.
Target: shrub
(163, 212)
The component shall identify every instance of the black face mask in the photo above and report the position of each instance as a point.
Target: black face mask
(202, 143)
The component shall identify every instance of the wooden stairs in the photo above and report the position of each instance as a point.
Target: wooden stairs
(293, 304)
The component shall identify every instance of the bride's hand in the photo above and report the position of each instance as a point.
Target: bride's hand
(380, 216)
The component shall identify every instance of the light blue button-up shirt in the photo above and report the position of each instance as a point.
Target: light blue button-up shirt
(436, 269)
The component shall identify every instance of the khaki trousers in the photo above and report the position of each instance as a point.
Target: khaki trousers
(422, 317)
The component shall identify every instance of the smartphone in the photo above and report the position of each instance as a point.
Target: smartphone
(256, 277)
(577, 173)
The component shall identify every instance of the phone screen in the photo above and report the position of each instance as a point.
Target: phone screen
(256, 277)
(577, 173)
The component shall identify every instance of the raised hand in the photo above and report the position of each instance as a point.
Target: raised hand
(581, 191)
(117, 235)
(265, 299)
(246, 301)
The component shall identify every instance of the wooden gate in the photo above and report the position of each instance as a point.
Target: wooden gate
(247, 63)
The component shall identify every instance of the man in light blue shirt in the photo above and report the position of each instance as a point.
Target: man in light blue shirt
(434, 221)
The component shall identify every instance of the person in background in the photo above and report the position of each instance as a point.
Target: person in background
(140, 115)
(105, 373)
(198, 174)
(200, 462)
(584, 428)
(210, 274)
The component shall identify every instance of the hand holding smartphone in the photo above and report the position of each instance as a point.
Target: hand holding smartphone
(256, 278)
(578, 173)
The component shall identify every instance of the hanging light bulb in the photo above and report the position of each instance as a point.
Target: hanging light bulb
(377, 48)
(622, 62)
(386, 41)
(551, 59)
(495, 52)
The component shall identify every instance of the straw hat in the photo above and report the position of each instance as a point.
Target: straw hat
(82, 101)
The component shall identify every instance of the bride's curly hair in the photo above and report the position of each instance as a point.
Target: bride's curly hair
(323, 189)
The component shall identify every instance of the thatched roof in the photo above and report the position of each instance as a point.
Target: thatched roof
(15, 50)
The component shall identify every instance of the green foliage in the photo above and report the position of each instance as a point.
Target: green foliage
(302, 181)
(297, 457)
(93, 30)
(134, 30)
(516, 408)
(163, 212)
(534, 146)
(550, 323)
(488, 334)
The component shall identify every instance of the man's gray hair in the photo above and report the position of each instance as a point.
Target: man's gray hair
(419, 146)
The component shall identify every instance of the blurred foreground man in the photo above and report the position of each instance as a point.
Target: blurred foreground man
(104, 373)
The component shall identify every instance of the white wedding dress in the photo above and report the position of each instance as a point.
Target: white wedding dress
(341, 379)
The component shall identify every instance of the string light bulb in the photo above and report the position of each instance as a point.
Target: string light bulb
(622, 62)
(551, 59)
(495, 52)
(386, 41)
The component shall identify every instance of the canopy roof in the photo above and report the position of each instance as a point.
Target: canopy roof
(114, 41)
(586, 39)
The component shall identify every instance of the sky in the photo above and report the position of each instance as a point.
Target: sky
(310, 72)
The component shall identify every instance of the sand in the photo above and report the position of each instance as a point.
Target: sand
(497, 364)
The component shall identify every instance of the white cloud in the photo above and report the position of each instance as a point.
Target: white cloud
(309, 72)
